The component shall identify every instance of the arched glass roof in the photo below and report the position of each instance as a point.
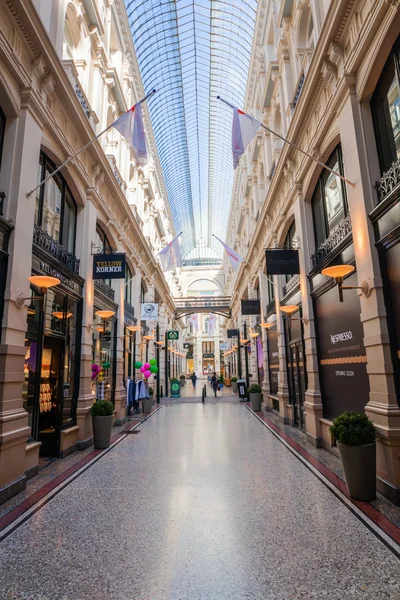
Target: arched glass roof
(191, 51)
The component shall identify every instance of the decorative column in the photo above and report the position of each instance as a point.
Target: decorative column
(285, 410)
(382, 406)
(120, 389)
(88, 219)
(313, 410)
(19, 176)
(265, 385)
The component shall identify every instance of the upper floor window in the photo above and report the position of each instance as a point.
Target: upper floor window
(55, 209)
(128, 285)
(2, 132)
(329, 202)
(142, 294)
(290, 242)
(385, 107)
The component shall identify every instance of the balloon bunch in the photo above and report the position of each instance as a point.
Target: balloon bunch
(95, 370)
(148, 368)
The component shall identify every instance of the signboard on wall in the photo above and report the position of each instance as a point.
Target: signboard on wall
(251, 307)
(273, 360)
(172, 335)
(149, 311)
(342, 355)
(282, 262)
(109, 266)
(232, 333)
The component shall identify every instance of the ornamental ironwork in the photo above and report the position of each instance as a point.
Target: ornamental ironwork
(272, 170)
(291, 285)
(101, 286)
(43, 240)
(2, 196)
(129, 312)
(389, 182)
(270, 306)
(82, 100)
(339, 234)
(298, 91)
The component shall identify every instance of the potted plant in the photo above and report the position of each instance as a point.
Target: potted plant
(221, 381)
(255, 394)
(234, 384)
(102, 412)
(355, 438)
(182, 378)
(148, 402)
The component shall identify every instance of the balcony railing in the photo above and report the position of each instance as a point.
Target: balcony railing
(2, 196)
(270, 306)
(298, 91)
(129, 312)
(82, 99)
(339, 234)
(43, 240)
(271, 174)
(105, 289)
(291, 285)
(389, 182)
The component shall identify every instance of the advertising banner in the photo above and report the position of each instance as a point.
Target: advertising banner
(149, 311)
(273, 360)
(251, 307)
(109, 266)
(282, 262)
(342, 355)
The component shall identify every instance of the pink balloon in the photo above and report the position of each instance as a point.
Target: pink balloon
(142, 369)
(147, 374)
(147, 366)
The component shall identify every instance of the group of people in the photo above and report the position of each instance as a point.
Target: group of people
(214, 382)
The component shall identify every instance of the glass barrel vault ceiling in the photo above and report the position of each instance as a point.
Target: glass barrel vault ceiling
(191, 51)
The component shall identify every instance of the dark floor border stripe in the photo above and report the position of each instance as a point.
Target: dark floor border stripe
(326, 476)
(66, 478)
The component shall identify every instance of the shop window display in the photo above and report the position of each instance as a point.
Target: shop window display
(103, 358)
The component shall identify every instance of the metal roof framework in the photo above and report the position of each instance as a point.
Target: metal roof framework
(191, 51)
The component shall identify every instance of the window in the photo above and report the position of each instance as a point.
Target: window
(385, 107)
(207, 347)
(128, 285)
(329, 202)
(142, 294)
(55, 209)
(2, 131)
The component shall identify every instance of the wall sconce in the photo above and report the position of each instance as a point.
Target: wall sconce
(103, 314)
(267, 325)
(289, 309)
(133, 328)
(60, 315)
(338, 273)
(244, 342)
(43, 282)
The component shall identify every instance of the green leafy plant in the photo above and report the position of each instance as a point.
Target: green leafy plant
(151, 391)
(221, 378)
(353, 429)
(254, 389)
(182, 377)
(102, 408)
(233, 379)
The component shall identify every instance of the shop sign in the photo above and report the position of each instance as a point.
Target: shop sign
(223, 346)
(172, 335)
(251, 307)
(232, 333)
(342, 355)
(189, 355)
(149, 311)
(208, 355)
(109, 266)
(282, 262)
(54, 273)
(186, 345)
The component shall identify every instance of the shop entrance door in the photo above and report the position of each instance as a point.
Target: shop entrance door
(50, 396)
(297, 382)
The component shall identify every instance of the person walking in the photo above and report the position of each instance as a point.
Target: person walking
(194, 379)
(214, 383)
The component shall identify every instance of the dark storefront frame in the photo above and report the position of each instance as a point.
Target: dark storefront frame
(386, 215)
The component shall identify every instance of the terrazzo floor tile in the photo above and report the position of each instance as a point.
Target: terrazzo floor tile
(204, 503)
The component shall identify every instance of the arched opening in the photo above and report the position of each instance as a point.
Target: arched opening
(72, 34)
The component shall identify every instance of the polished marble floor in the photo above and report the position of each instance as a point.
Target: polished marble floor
(203, 503)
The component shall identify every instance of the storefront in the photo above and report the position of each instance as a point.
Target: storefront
(53, 349)
(385, 217)
(208, 363)
(104, 340)
(273, 365)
